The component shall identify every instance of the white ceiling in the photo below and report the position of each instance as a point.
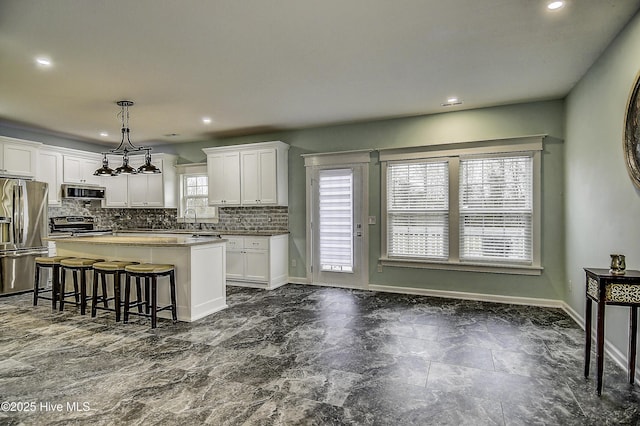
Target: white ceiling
(259, 64)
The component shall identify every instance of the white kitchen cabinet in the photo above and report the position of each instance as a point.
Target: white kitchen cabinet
(223, 169)
(248, 175)
(142, 190)
(259, 177)
(50, 171)
(116, 192)
(257, 261)
(18, 157)
(153, 190)
(80, 169)
(146, 191)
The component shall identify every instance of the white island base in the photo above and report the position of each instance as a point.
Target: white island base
(200, 266)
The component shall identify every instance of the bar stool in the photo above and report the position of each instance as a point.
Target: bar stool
(53, 263)
(102, 269)
(75, 265)
(150, 272)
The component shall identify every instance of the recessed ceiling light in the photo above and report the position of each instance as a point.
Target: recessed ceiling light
(555, 5)
(451, 101)
(43, 61)
(206, 120)
(104, 134)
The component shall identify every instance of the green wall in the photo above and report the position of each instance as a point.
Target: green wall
(602, 205)
(456, 126)
(480, 124)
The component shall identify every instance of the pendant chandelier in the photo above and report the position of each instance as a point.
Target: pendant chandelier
(124, 149)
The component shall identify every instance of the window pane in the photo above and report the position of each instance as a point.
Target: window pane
(418, 210)
(496, 209)
(195, 197)
(336, 220)
(418, 235)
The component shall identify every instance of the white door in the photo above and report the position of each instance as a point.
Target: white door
(338, 227)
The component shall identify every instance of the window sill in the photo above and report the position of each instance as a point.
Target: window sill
(466, 267)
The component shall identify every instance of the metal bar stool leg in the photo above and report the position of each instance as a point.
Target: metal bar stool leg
(62, 289)
(127, 297)
(172, 283)
(116, 294)
(36, 285)
(154, 300)
(55, 285)
(94, 294)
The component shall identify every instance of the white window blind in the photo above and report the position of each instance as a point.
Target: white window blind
(335, 189)
(418, 209)
(496, 209)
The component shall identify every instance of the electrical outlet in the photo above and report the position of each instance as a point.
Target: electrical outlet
(379, 267)
(294, 263)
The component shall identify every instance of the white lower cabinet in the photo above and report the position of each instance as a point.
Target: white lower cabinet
(257, 261)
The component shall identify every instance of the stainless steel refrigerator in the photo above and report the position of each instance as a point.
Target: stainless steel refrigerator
(23, 225)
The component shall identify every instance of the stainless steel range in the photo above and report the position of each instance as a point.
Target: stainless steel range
(73, 225)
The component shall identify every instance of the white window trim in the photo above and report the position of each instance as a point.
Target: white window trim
(191, 170)
(453, 152)
(354, 158)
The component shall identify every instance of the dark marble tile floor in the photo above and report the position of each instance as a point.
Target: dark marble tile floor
(307, 355)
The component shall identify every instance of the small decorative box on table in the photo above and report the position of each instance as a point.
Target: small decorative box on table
(606, 288)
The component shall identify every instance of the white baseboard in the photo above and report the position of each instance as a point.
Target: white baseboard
(513, 300)
(299, 280)
(614, 353)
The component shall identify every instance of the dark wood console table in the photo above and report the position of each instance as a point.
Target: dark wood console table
(607, 289)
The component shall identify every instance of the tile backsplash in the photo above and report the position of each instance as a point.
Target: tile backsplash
(270, 219)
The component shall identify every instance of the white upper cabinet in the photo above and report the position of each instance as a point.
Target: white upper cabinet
(79, 168)
(50, 171)
(116, 193)
(248, 175)
(18, 157)
(259, 177)
(223, 169)
(142, 190)
(153, 190)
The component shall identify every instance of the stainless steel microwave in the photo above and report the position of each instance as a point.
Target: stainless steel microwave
(83, 192)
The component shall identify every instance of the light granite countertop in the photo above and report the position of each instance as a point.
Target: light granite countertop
(150, 240)
(211, 233)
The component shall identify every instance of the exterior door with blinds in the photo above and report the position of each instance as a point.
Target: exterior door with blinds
(337, 226)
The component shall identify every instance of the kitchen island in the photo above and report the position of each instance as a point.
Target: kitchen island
(200, 265)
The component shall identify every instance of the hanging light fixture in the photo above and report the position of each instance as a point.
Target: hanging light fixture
(124, 149)
(147, 167)
(105, 170)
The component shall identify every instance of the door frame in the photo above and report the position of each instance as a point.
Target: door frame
(331, 160)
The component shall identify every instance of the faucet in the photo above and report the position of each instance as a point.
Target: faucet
(195, 220)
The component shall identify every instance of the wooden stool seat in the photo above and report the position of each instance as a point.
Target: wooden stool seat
(113, 265)
(52, 262)
(150, 268)
(75, 265)
(150, 272)
(101, 270)
(78, 262)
